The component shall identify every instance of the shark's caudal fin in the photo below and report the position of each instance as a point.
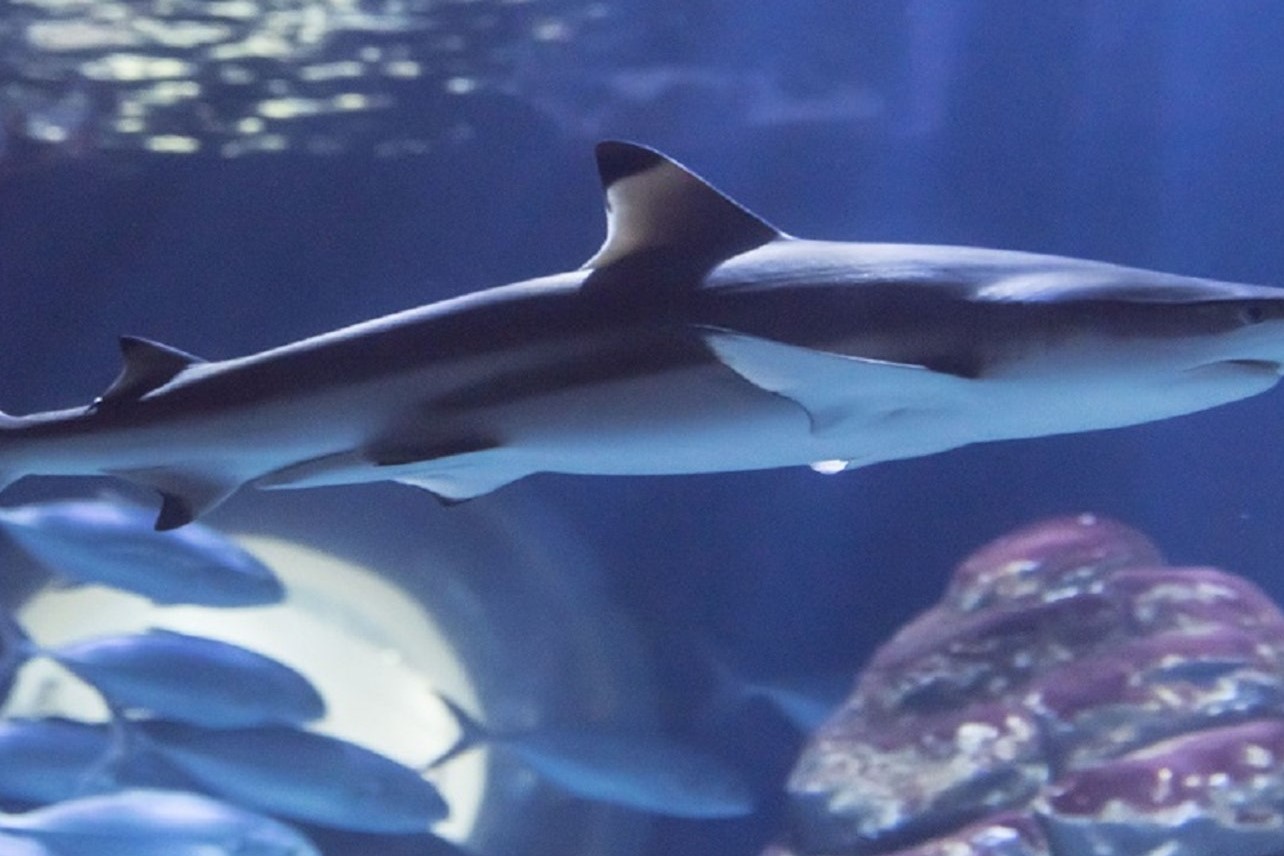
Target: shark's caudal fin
(653, 201)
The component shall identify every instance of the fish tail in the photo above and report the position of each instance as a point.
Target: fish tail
(16, 647)
(729, 691)
(470, 733)
(104, 773)
(12, 634)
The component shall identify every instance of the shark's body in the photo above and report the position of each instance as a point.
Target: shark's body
(698, 339)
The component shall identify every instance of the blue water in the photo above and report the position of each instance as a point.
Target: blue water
(1145, 132)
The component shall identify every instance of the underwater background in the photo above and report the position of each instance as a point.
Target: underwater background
(1143, 132)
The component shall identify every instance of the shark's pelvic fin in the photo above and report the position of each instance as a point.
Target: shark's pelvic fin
(148, 366)
(652, 201)
(453, 471)
(185, 494)
(452, 487)
(831, 388)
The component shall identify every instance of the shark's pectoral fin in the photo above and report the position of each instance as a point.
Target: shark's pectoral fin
(186, 494)
(653, 202)
(148, 366)
(833, 389)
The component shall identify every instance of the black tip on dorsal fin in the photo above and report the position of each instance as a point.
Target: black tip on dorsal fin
(148, 366)
(653, 201)
(618, 160)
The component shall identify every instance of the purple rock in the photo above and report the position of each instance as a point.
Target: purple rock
(1053, 555)
(861, 789)
(945, 658)
(1001, 835)
(1152, 688)
(1214, 792)
(1066, 675)
(1175, 599)
(1202, 767)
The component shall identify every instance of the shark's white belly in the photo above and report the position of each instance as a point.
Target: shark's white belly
(708, 419)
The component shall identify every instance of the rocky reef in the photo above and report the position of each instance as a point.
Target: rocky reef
(1070, 694)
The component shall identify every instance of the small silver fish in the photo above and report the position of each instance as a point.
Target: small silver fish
(53, 759)
(186, 678)
(300, 775)
(47, 760)
(13, 845)
(192, 679)
(153, 823)
(638, 771)
(115, 544)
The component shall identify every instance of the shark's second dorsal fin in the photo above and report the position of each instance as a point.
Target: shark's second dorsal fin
(148, 366)
(652, 201)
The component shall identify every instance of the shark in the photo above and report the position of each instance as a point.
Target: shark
(698, 338)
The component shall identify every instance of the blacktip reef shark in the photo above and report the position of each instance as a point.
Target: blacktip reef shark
(699, 338)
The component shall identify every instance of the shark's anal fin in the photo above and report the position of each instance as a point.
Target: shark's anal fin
(653, 202)
(185, 494)
(148, 366)
(833, 389)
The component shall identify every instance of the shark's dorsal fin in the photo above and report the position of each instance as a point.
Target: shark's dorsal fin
(652, 201)
(148, 366)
